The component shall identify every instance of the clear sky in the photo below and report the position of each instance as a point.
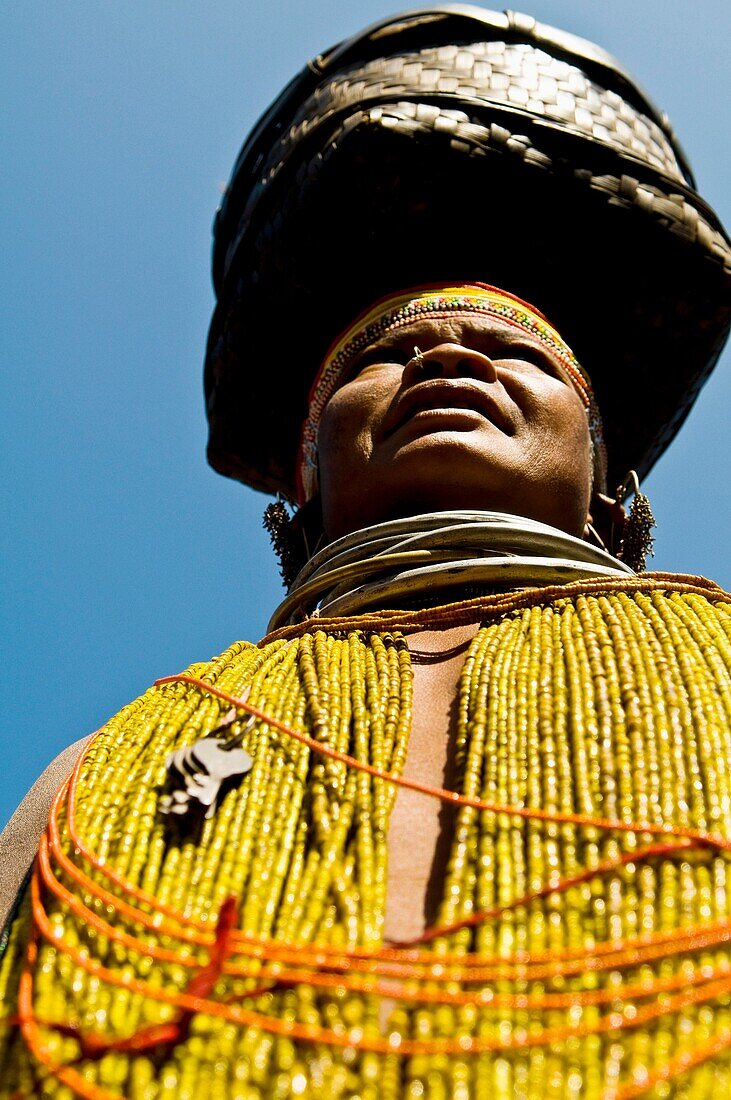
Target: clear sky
(124, 557)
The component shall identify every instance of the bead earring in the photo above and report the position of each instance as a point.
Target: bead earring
(278, 525)
(295, 538)
(637, 541)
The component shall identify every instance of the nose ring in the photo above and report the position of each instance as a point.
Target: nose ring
(418, 357)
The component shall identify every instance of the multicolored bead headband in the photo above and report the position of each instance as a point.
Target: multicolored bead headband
(441, 300)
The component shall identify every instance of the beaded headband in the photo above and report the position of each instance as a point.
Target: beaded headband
(439, 300)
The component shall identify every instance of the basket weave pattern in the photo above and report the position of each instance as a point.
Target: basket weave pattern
(513, 75)
(373, 156)
(528, 89)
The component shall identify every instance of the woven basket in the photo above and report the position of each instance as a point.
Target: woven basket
(455, 143)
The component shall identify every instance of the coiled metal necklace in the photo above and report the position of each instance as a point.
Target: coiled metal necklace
(425, 558)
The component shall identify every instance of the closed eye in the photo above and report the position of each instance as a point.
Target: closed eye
(536, 356)
(381, 356)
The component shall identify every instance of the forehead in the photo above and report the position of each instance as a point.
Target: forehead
(460, 327)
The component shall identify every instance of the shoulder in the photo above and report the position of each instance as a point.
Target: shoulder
(19, 838)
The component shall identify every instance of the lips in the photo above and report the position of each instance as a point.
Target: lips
(445, 394)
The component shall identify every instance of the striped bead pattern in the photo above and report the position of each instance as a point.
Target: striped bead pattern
(569, 958)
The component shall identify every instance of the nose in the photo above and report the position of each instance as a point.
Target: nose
(449, 361)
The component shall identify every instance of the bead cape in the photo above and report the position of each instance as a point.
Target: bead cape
(580, 945)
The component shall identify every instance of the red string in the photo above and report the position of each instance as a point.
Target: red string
(398, 960)
(717, 983)
(453, 797)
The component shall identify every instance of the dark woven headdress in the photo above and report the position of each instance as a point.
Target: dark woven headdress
(454, 143)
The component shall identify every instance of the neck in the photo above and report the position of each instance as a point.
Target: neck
(438, 557)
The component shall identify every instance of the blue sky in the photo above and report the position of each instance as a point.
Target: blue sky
(125, 557)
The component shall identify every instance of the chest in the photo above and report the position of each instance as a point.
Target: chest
(421, 827)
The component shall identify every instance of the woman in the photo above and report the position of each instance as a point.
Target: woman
(537, 739)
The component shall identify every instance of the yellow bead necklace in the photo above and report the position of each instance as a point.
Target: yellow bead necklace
(569, 958)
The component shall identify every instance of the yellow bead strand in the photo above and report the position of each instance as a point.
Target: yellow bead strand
(614, 704)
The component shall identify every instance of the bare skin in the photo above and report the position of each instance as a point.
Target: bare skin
(421, 828)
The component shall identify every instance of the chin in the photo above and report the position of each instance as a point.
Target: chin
(567, 512)
(442, 473)
(439, 473)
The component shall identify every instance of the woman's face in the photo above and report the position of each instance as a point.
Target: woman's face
(484, 421)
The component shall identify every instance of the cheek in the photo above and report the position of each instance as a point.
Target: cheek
(345, 438)
(568, 429)
(560, 434)
(342, 423)
(559, 414)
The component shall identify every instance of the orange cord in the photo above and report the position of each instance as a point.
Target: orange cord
(717, 983)
(692, 941)
(629, 954)
(389, 962)
(453, 797)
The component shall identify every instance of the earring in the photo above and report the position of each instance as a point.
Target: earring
(592, 536)
(637, 541)
(277, 523)
(295, 538)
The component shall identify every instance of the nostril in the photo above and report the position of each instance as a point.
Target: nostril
(464, 368)
(424, 365)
